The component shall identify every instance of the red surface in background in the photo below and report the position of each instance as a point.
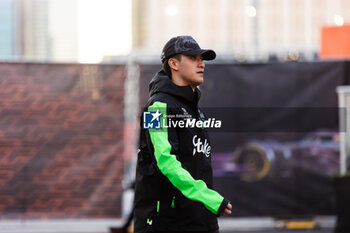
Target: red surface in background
(61, 140)
(335, 42)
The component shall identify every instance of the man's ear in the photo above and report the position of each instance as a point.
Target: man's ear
(173, 63)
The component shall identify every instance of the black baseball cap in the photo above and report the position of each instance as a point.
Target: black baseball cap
(185, 45)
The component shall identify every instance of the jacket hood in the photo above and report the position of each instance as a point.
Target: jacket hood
(161, 82)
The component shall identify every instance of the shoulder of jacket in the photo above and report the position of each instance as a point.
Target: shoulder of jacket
(163, 98)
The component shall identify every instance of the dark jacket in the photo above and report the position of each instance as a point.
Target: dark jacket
(174, 184)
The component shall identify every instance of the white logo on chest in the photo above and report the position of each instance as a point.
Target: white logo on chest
(201, 147)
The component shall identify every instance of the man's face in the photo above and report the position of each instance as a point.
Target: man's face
(191, 70)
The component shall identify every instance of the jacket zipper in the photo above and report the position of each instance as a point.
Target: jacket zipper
(173, 202)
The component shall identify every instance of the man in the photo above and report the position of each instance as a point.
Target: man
(173, 191)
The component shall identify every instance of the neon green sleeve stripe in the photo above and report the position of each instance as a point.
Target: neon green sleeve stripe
(195, 190)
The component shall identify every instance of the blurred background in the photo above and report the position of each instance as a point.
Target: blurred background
(96, 31)
(74, 76)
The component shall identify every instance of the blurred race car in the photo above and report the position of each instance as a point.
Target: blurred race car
(317, 153)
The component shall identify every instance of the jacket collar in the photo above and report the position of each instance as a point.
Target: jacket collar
(162, 83)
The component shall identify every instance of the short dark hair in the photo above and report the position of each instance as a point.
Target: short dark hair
(166, 67)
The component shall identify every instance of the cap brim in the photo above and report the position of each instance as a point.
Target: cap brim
(207, 54)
